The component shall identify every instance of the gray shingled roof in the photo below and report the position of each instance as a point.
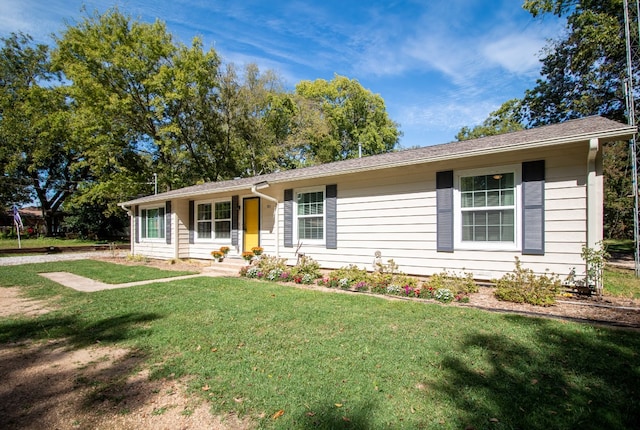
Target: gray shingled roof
(576, 130)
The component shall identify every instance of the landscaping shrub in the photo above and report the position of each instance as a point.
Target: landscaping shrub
(524, 286)
(276, 269)
(456, 283)
(306, 271)
(345, 277)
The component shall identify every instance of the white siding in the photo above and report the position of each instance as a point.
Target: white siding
(394, 211)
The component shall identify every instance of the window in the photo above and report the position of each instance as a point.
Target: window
(223, 220)
(488, 208)
(203, 221)
(487, 202)
(310, 215)
(213, 220)
(152, 223)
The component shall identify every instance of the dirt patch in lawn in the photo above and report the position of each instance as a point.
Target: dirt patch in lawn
(13, 303)
(52, 385)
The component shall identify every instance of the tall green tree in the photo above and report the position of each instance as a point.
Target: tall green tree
(355, 119)
(114, 66)
(583, 73)
(40, 155)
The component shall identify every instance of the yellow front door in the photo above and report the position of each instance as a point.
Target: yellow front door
(251, 221)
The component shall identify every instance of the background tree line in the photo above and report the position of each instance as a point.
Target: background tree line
(86, 123)
(583, 73)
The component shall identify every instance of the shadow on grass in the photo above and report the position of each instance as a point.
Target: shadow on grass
(77, 332)
(330, 417)
(571, 378)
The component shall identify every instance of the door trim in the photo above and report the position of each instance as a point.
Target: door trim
(244, 221)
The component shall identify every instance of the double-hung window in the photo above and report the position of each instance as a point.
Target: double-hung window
(487, 203)
(152, 223)
(222, 222)
(213, 220)
(310, 215)
(204, 222)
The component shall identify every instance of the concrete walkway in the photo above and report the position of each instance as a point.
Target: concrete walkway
(80, 283)
(229, 268)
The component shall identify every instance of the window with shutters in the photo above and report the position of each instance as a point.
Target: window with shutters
(486, 202)
(212, 220)
(310, 215)
(152, 223)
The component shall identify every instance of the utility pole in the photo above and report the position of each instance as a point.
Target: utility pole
(632, 38)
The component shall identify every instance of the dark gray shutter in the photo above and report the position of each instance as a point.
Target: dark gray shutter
(331, 200)
(167, 222)
(234, 220)
(136, 224)
(288, 218)
(191, 222)
(533, 207)
(143, 223)
(444, 211)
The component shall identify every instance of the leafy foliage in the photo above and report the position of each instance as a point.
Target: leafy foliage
(356, 121)
(524, 286)
(39, 152)
(506, 119)
(583, 73)
(119, 100)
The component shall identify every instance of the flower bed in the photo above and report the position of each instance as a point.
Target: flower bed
(444, 287)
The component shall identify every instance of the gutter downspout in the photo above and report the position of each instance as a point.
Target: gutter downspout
(254, 190)
(595, 198)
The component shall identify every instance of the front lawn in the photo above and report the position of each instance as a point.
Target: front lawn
(298, 359)
(44, 242)
(621, 283)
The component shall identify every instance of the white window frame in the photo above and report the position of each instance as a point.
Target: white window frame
(212, 220)
(144, 232)
(296, 217)
(516, 169)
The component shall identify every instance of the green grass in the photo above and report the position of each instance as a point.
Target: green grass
(621, 283)
(347, 360)
(43, 242)
(620, 245)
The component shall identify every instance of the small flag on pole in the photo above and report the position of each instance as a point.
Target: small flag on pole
(16, 217)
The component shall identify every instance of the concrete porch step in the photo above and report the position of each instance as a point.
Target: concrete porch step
(230, 266)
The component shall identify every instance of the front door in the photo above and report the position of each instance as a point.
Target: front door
(251, 222)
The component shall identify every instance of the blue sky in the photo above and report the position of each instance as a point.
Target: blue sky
(438, 64)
